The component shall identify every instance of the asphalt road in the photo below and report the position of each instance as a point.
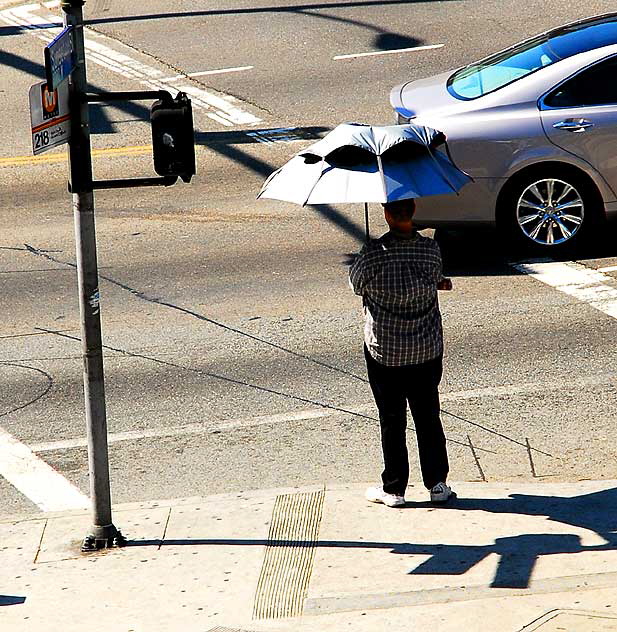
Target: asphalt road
(233, 344)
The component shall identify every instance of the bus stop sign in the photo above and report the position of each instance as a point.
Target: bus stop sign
(49, 116)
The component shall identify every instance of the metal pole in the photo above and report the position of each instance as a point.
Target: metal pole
(103, 532)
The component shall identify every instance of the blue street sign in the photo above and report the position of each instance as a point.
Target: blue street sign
(59, 58)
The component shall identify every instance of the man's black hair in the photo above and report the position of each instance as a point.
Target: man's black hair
(401, 209)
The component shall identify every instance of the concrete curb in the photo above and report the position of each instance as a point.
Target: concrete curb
(321, 558)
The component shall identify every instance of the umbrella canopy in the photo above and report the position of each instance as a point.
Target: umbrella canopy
(367, 163)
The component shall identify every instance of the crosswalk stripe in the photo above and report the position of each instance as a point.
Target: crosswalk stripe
(224, 109)
(576, 280)
(35, 479)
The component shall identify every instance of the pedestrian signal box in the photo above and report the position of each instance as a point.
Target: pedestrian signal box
(173, 140)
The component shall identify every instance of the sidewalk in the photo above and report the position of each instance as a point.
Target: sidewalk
(536, 556)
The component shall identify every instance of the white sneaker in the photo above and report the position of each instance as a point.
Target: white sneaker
(377, 495)
(441, 493)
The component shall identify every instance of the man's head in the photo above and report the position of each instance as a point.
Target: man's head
(399, 215)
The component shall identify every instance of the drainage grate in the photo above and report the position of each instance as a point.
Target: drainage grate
(288, 561)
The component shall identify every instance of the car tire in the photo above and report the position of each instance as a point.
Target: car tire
(550, 210)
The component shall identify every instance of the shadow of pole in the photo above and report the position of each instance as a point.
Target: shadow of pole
(259, 10)
(11, 600)
(518, 554)
(99, 122)
(384, 39)
(140, 112)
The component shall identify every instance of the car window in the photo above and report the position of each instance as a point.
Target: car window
(503, 68)
(594, 86)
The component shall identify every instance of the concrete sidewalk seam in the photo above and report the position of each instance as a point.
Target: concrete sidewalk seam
(350, 603)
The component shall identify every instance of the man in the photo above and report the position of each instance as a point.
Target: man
(398, 276)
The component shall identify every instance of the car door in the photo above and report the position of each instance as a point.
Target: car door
(580, 116)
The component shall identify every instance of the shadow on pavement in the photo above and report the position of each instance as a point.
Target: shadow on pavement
(10, 600)
(299, 8)
(384, 40)
(483, 252)
(230, 150)
(517, 554)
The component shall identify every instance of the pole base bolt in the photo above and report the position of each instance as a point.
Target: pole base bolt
(91, 543)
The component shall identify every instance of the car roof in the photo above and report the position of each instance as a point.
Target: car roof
(603, 18)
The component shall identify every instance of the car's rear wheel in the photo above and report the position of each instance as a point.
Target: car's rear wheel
(551, 209)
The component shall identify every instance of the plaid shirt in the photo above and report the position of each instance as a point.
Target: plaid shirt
(397, 278)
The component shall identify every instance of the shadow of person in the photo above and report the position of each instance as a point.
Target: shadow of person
(593, 511)
(518, 554)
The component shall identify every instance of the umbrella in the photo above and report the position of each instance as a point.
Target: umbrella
(367, 163)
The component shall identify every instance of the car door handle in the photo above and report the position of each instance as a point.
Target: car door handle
(573, 125)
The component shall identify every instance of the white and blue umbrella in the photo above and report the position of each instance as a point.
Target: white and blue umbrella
(367, 163)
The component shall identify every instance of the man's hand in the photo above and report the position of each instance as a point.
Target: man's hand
(444, 284)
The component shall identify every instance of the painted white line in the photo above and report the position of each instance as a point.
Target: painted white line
(35, 479)
(26, 8)
(320, 413)
(586, 285)
(53, 4)
(608, 269)
(528, 388)
(25, 13)
(222, 109)
(223, 106)
(203, 73)
(221, 71)
(43, 30)
(389, 52)
(186, 430)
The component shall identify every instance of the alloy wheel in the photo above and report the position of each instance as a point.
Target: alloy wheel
(550, 211)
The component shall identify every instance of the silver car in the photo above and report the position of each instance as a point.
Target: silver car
(536, 127)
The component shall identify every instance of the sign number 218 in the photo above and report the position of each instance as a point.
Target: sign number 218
(41, 139)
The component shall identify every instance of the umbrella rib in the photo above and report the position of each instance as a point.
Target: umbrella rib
(443, 173)
(323, 160)
(383, 178)
(267, 182)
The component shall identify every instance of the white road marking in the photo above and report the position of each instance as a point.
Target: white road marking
(35, 479)
(320, 413)
(222, 109)
(203, 73)
(389, 52)
(528, 388)
(173, 431)
(224, 106)
(586, 285)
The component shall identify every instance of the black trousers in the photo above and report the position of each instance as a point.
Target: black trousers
(393, 388)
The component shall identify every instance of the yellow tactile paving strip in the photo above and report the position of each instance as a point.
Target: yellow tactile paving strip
(288, 562)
